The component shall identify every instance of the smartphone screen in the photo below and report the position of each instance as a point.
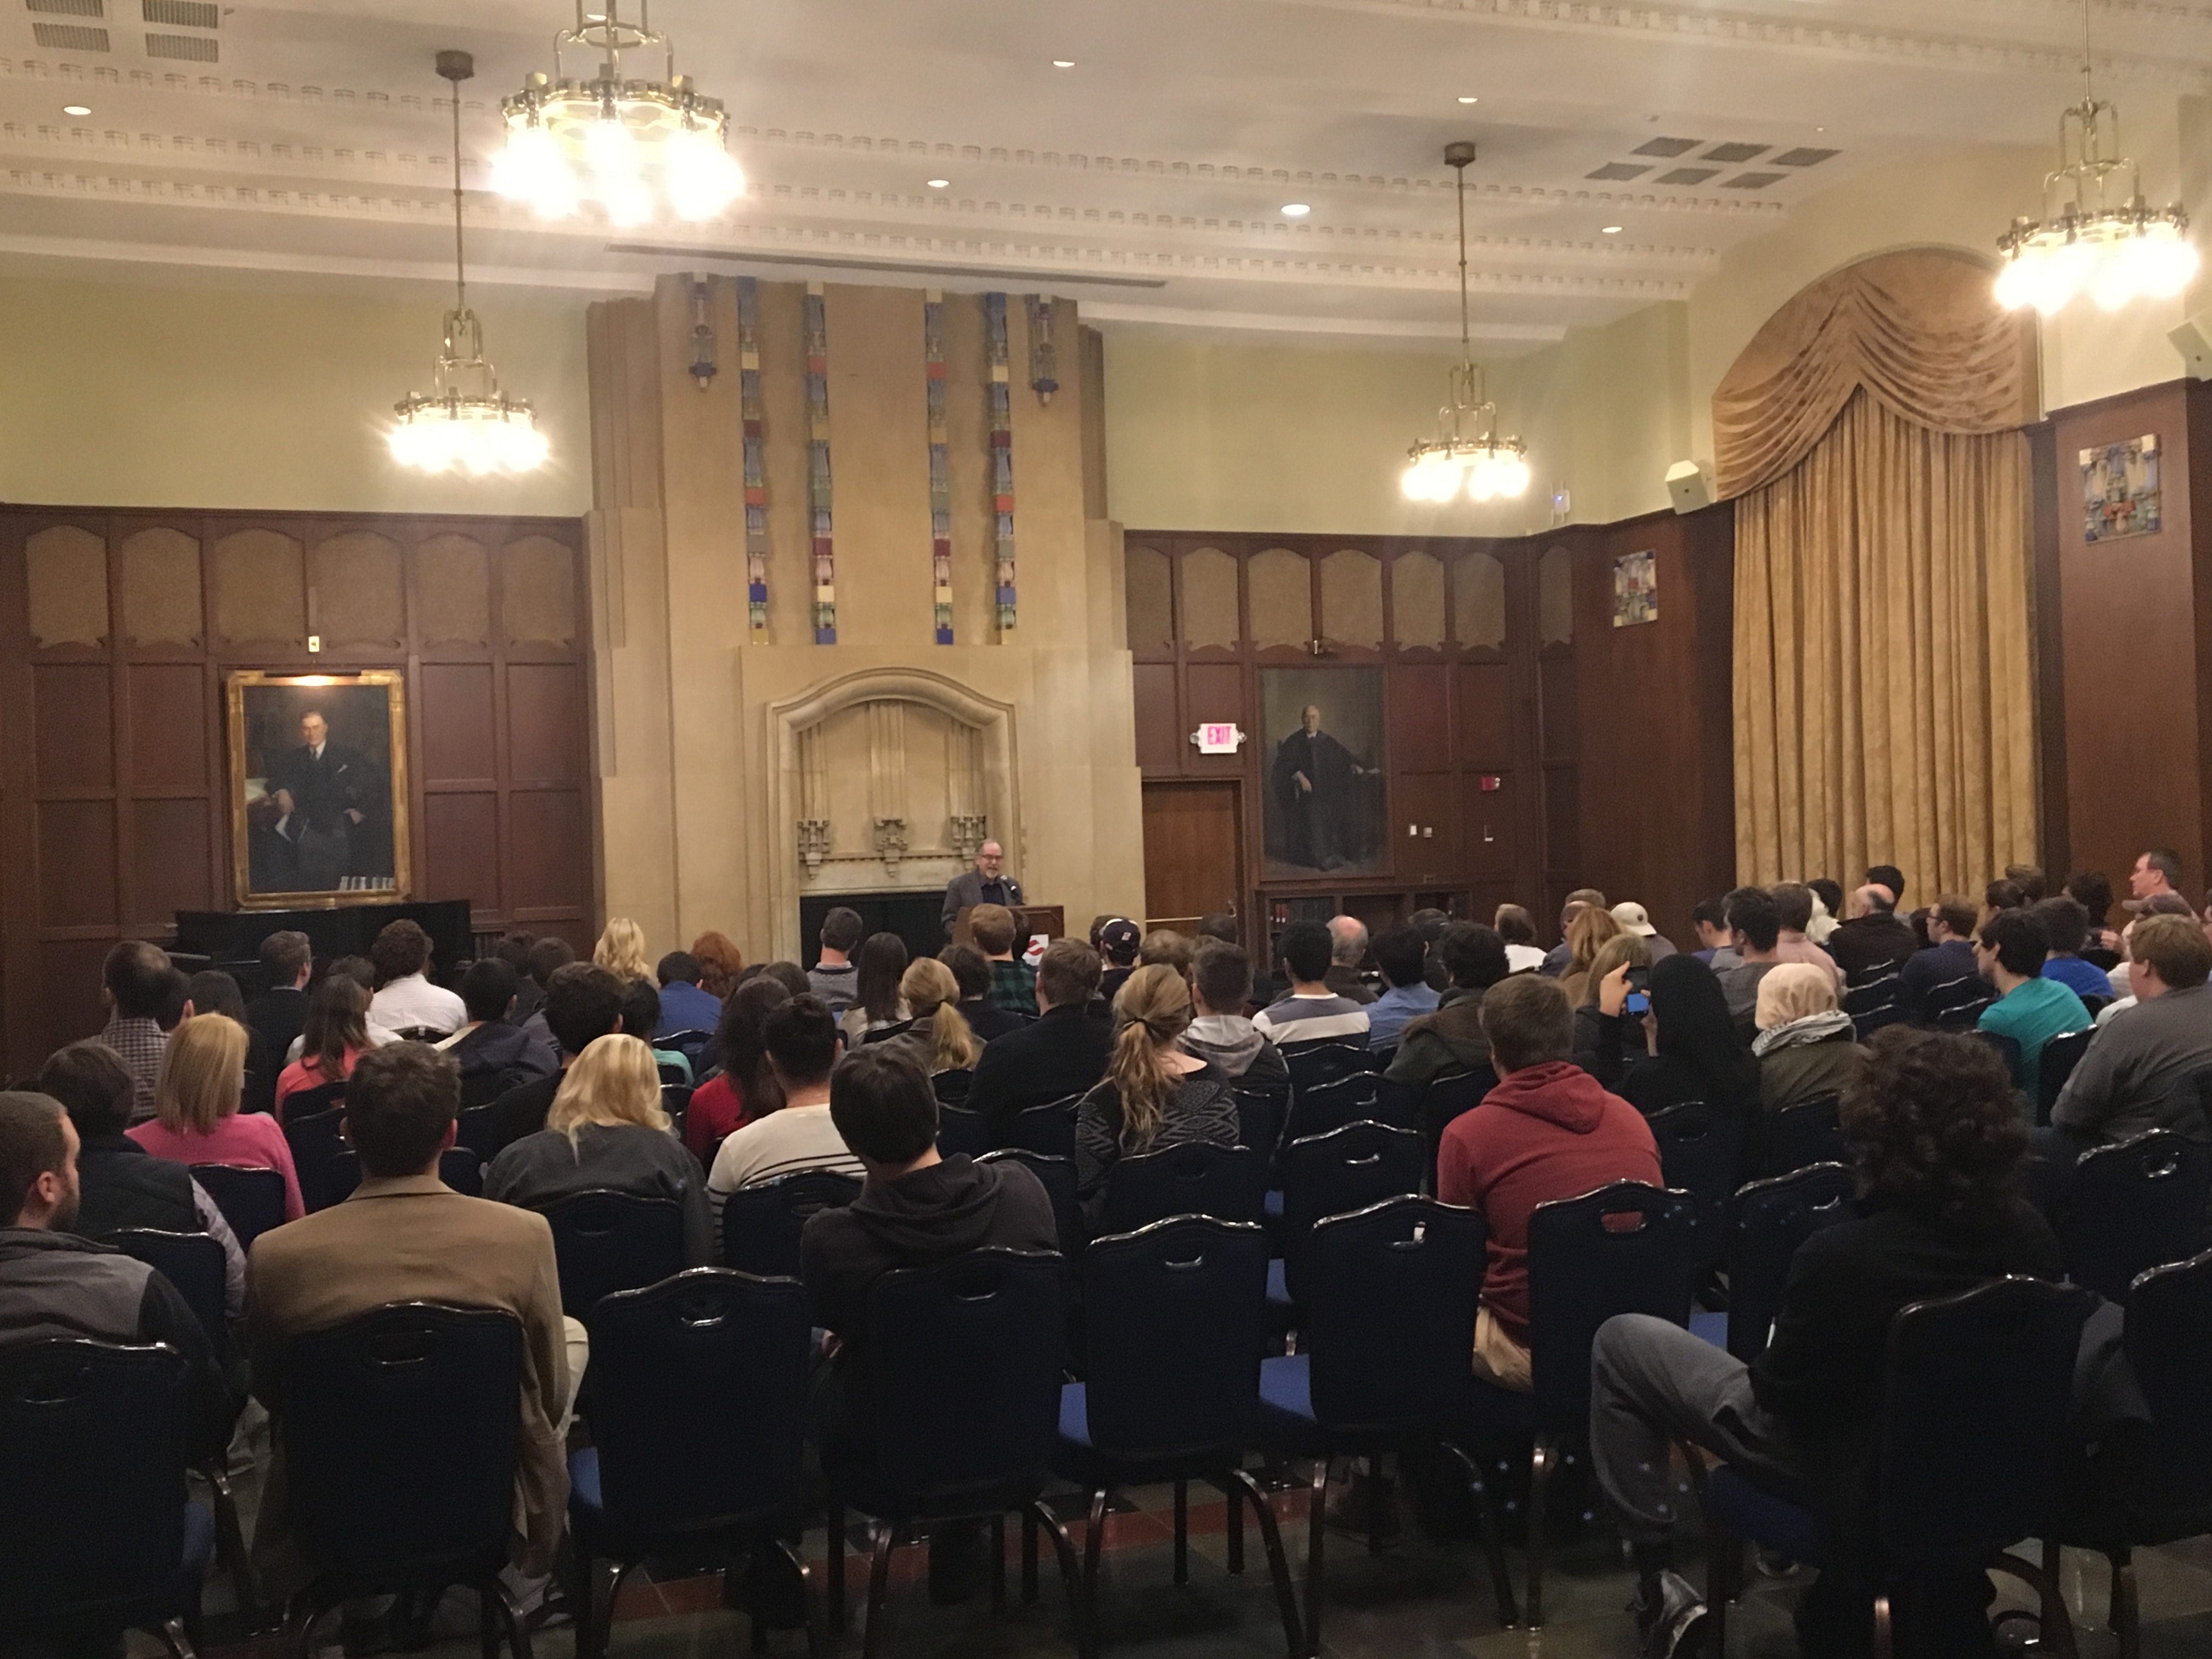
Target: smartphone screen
(1637, 1004)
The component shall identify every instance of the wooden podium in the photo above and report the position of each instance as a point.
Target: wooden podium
(1031, 921)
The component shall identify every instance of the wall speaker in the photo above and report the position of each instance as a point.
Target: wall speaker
(2193, 340)
(1691, 484)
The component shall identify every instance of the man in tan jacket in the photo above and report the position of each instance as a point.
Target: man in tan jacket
(405, 1235)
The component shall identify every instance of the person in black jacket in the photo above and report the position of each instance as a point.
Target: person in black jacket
(278, 1015)
(494, 1053)
(1939, 1147)
(1057, 1056)
(583, 1003)
(1695, 1053)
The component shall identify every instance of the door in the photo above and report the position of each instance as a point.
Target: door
(1193, 853)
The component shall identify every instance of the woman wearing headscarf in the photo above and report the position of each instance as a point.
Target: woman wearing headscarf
(1691, 1051)
(1805, 1045)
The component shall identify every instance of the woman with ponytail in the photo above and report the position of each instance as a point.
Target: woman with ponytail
(936, 1031)
(1154, 1095)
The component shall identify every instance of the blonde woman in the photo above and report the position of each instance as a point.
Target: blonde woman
(606, 1132)
(1805, 1045)
(1622, 950)
(1592, 926)
(621, 949)
(196, 1117)
(1155, 1095)
(935, 1029)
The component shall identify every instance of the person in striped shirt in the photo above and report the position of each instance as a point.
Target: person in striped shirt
(1311, 1012)
(800, 1037)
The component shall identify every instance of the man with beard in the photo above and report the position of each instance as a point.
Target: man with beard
(323, 792)
(1313, 783)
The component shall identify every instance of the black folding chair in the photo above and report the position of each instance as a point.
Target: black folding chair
(1314, 1063)
(1315, 1108)
(251, 1197)
(960, 1130)
(1700, 1152)
(2061, 1054)
(1803, 1133)
(1058, 1176)
(606, 1241)
(2134, 1205)
(761, 1221)
(1193, 1178)
(1345, 1170)
(1772, 1219)
(458, 1167)
(2007, 1050)
(315, 1140)
(1048, 1129)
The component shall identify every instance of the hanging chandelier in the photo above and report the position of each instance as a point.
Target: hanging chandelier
(1467, 454)
(465, 422)
(2115, 250)
(602, 138)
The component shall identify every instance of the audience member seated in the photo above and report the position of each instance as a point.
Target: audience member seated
(2122, 973)
(1792, 903)
(741, 1087)
(405, 1000)
(1686, 1050)
(405, 1235)
(1623, 950)
(583, 1003)
(1155, 1094)
(1310, 1011)
(1404, 961)
(719, 962)
(2092, 890)
(2032, 879)
(280, 1013)
(876, 1001)
(490, 1044)
(1928, 981)
(1347, 950)
(514, 949)
(1517, 928)
(1710, 918)
(2030, 1009)
(801, 1039)
(621, 949)
(334, 1037)
(1807, 1046)
(196, 1099)
(1938, 1144)
(1872, 944)
(1428, 924)
(791, 976)
(1828, 915)
(2156, 872)
(1220, 984)
(1547, 1131)
(54, 1282)
(1163, 947)
(2128, 1081)
(212, 991)
(2002, 895)
(1013, 982)
(915, 1210)
(971, 971)
(2066, 924)
(1635, 918)
(1591, 932)
(1120, 941)
(547, 957)
(606, 1132)
(641, 1011)
(938, 1034)
(1057, 1056)
(1226, 929)
(134, 987)
(1555, 959)
(834, 978)
(1451, 1039)
(120, 1184)
(1754, 922)
(684, 1005)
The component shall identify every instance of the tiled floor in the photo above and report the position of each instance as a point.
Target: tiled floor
(1419, 1599)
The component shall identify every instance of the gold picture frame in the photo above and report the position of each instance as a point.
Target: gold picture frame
(318, 828)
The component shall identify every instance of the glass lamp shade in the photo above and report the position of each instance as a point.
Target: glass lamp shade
(467, 435)
(632, 149)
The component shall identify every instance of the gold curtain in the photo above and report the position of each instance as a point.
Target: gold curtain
(1884, 664)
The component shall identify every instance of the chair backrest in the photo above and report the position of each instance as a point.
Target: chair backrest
(676, 1105)
(1390, 1304)
(2133, 1207)
(1345, 1170)
(966, 1373)
(474, 1128)
(1956, 1003)
(2061, 1054)
(1451, 1094)
(960, 1130)
(1975, 1401)
(458, 1167)
(481, 1088)
(761, 1222)
(1772, 1218)
(1700, 1153)
(252, 1199)
(1803, 1133)
(2096, 1005)
(1313, 1064)
(93, 1438)
(2007, 1050)
(315, 1140)
(1049, 1128)
(710, 1334)
(1395, 1104)
(1057, 1174)
(1261, 1113)
(399, 1427)
(1174, 1317)
(2169, 1349)
(313, 1102)
(1193, 1177)
(1623, 1249)
(692, 1043)
(606, 1241)
(1316, 1109)
(192, 1262)
(951, 1088)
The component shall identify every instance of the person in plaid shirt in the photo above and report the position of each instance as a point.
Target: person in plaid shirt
(135, 986)
(1013, 984)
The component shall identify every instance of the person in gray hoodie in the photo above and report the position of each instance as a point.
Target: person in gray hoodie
(1220, 983)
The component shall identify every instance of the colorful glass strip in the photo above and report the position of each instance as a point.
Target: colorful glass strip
(1002, 456)
(940, 464)
(1044, 356)
(750, 411)
(817, 467)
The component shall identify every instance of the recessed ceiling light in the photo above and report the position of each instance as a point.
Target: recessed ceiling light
(1609, 230)
(1063, 62)
(1296, 209)
(76, 109)
(1469, 101)
(940, 183)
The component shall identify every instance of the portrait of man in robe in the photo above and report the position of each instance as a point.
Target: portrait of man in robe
(1325, 798)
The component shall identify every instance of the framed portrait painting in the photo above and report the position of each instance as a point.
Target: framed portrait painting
(1324, 783)
(317, 787)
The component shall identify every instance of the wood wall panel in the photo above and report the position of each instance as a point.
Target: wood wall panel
(546, 723)
(172, 741)
(1160, 750)
(260, 586)
(1488, 818)
(1417, 601)
(66, 975)
(537, 591)
(1425, 802)
(460, 844)
(1485, 714)
(1352, 599)
(453, 590)
(548, 851)
(1209, 600)
(76, 738)
(460, 741)
(67, 576)
(170, 867)
(359, 591)
(1148, 582)
(161, 597)
(76, 863)
(1418, 718)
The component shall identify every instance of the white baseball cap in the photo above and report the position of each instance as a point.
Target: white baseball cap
(1632, 917)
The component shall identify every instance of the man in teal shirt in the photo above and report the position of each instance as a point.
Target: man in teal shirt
(2030, 1009)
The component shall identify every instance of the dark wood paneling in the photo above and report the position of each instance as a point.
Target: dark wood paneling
(460, 839)
(1488, 826)
(1419, 715)
(1423, 838)
(1485, 714)
(76, 863)
(1559, 720)
(460, 742)
(1215, 691)
(76, 740)
(1161, 739)
(169, 861)
(1193, 840)
(546, 721)
(171, 735)
(548, 848)
(66, 973)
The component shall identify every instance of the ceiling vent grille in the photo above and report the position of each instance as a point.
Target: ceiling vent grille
(1667, 146)
(1620, 170)
(1750, 180)
(68, 7)
(1804, 156)
(1733, 152)
(69, 37)
(1686, 175)
(192, 47)
(182, 14)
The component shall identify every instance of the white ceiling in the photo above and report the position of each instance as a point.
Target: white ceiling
(1146, 180)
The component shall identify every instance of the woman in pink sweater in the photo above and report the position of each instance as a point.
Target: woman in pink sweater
(196, 1120)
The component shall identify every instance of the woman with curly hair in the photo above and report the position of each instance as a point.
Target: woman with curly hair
(621, 949)
(719, 961)
(1938, 1146)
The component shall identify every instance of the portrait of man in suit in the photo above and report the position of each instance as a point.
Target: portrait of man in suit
(317, 797)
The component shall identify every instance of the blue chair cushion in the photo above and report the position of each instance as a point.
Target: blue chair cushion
(1286, 1412)
(199, 1542)
(1710, 1328)
(584, 1480)
(1278, 1287)
(1782, 1524)
(1272, 1205)
(1075, 1417)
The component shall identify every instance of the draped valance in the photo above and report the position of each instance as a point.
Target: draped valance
(1919, 332)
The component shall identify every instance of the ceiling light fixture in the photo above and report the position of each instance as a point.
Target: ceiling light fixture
(2117, 250)
(1609, 230)
(1470, 101)
(1063, 62)
(1466, 452)
(465, 422)
(76, 109)
(569, 140)
(940, 183)
(1296, 209)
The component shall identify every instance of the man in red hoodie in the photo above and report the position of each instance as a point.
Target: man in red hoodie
(1548, 1130)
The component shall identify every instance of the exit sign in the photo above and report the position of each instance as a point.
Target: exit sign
(1218, 738)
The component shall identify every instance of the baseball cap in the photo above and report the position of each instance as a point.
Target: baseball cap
(1118, 941)
(1632, 917)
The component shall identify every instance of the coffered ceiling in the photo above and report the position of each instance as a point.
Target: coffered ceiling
(1148, 179)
